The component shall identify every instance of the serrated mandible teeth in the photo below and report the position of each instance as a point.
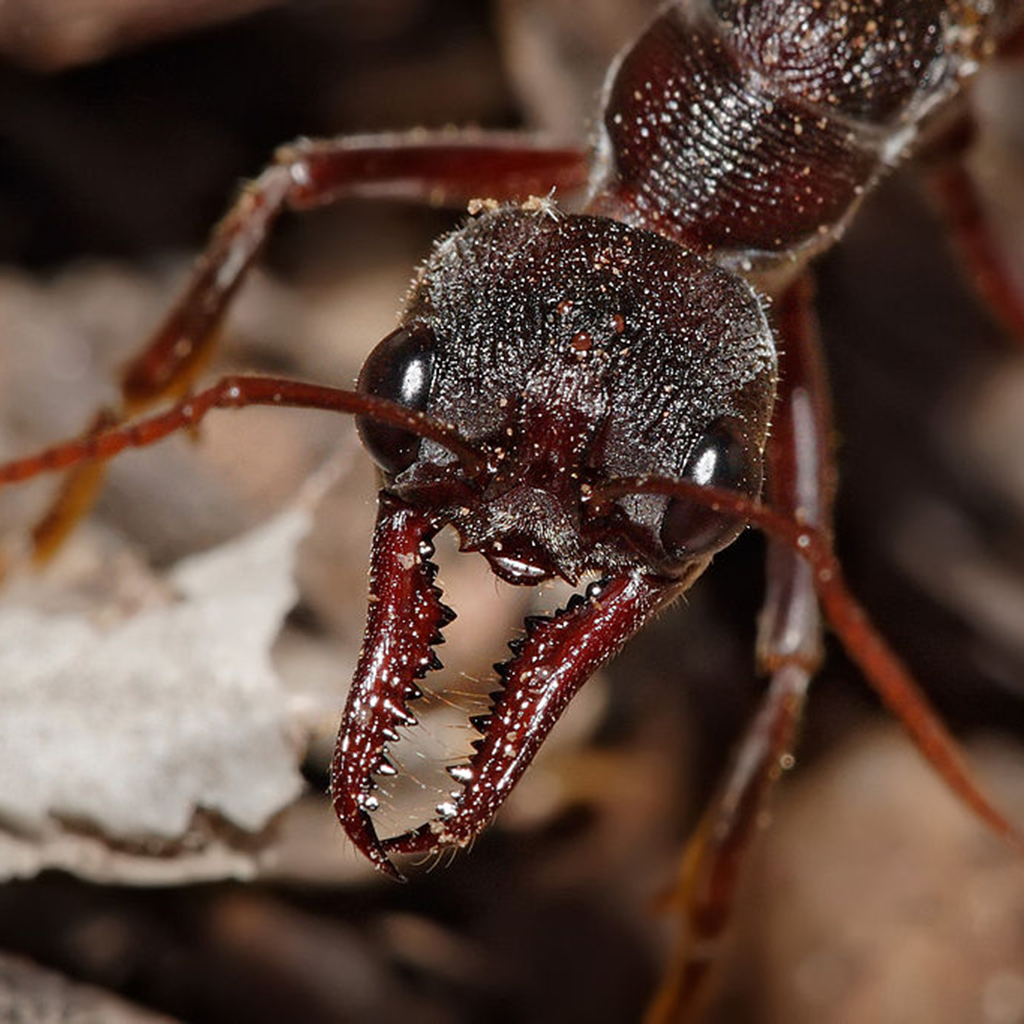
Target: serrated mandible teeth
(447, 810)
(400, 714)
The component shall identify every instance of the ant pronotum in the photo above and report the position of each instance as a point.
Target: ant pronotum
(589, 393)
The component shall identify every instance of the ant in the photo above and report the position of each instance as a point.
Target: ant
(589, 383)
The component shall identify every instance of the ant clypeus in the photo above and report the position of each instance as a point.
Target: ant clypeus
(583, 380)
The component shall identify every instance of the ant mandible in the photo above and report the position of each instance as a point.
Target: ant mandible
(586, 390)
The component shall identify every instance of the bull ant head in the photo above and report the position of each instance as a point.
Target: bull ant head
(565, 352)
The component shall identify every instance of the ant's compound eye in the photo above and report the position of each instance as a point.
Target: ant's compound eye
(720, 459)
(400, 368)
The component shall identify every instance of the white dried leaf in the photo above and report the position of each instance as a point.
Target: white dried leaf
(306, 845)
(130, 730)
(31, 994)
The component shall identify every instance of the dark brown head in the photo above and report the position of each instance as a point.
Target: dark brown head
(567, 352)
(570, 350)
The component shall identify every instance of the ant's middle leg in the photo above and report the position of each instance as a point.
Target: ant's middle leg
(801, 484)
(955, 192)
(441, 168)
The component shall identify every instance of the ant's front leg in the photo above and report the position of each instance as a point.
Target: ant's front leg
(801, 484)
(441, 168)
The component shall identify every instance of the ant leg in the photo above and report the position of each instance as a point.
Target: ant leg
(956, 196)
(800, 483)
(443, 168)
(983, 255)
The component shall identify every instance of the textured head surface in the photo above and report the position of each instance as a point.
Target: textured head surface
(570, 350)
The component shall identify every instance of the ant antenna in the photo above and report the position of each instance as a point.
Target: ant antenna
(236, 392)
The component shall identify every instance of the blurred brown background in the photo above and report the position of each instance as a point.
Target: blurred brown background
(874, 897)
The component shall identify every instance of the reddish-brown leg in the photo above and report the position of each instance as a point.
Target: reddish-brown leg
(959, 201)
(984, 256)
(800, 482)
(435, 167)
(802, 486)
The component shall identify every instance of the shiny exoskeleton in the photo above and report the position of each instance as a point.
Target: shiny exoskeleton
(537, 339)
(588, 394)
(575, 349)
(751, 130)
